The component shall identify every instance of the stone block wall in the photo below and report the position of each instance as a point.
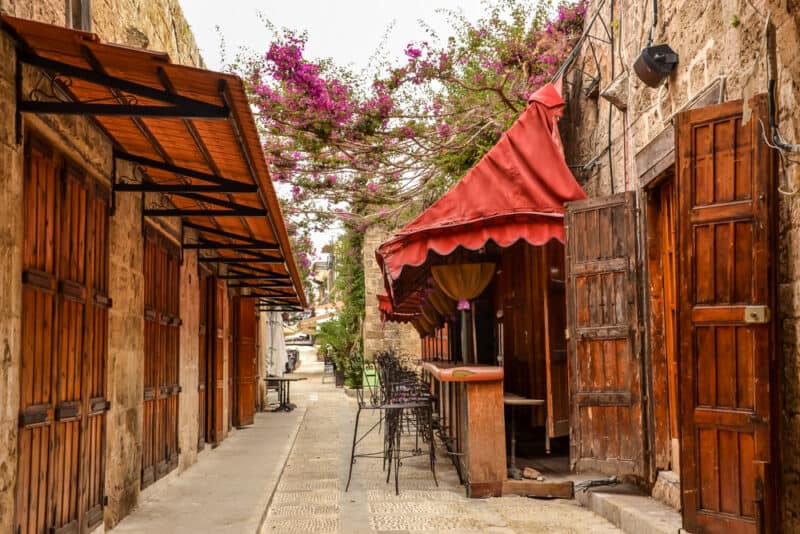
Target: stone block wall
(395, 336)
(125, 377)
(189, 427)
(152, 24)
(11, 283)
(721, 55)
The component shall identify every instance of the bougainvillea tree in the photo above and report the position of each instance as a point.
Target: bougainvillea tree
(355, 150)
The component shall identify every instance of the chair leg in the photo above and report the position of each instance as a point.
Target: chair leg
(433, 451)
(353, 450)
(397, 464)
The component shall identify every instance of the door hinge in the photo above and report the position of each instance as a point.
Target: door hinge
(105, 500)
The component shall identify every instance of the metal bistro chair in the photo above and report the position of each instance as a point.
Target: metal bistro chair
(369, 397)
(327, 369)
(408, 409)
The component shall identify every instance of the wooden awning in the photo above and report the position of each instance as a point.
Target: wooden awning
(192, 137)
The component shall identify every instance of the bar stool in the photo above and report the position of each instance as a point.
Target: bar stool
(513, 400)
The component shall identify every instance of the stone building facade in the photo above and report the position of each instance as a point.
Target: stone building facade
(380, 336)
(156, 25)
(722, 58)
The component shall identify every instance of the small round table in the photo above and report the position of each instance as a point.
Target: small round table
(513, 400)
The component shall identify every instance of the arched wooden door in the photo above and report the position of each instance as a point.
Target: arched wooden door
(728, 367)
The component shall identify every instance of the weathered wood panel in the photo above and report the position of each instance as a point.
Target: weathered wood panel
(206, 296)
(555, 317)
(217, 380)
(244, 360)
(64, 324)
(726, 188)
(161, 379)
(603, 315)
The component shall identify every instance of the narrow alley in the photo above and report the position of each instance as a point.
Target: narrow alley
(287, 473)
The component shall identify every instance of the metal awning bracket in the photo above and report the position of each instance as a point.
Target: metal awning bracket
(173, 105)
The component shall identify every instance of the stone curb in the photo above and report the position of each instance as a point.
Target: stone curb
(630, 510)
(283, 467)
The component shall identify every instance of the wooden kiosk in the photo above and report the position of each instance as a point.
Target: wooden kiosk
(486, 262)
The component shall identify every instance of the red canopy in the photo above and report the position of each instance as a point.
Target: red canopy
(405, 314)
(516, 191)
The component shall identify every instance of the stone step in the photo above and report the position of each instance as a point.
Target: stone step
(631, 510)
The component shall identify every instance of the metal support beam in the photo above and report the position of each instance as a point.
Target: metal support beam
(250, 276)
(234, 261)
(117, 110)
(175, 212)
(217, 202)
(223, 233)
(278, 285)
(225, 184)
(250, 270)
(210, 245)
(180, 106)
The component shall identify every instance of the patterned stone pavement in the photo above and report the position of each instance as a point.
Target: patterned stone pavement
(310, 496)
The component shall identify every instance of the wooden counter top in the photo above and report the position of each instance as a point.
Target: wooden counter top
(458, 372)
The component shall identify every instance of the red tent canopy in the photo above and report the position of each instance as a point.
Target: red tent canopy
(516, 191)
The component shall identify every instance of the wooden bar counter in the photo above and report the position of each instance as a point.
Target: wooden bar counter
(470, 403)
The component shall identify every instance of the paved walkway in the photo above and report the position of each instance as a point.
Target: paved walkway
(310, 497)
(227, 490)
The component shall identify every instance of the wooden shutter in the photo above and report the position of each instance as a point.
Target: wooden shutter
(726, 194)
(161, 369)
(603, 317)
(203, 361)
(217, 366)
(555, 318)
(245, 360)
(95, 402)
(64, 318)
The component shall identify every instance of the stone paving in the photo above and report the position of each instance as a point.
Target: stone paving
(310, 495)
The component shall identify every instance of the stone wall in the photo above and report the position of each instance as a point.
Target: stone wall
(153, 24)
(11, 284)
(395, 336)
(720, 49)
(188, 429)
(125, 377)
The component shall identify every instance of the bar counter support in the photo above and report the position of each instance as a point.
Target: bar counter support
(474, 422)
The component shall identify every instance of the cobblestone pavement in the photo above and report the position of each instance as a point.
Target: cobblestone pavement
(310, 496)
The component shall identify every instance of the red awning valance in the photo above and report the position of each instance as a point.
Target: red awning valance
(517, 191)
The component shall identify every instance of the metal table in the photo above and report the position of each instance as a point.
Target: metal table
(512, 400)
(282, 383)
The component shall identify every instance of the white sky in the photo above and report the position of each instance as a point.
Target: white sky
(349, 31)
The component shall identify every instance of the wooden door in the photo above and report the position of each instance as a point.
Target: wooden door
(61, 443)
(217, 361)
(726, 193)
(555, 317)
(244, 361)
(231, 367)
(607, 427)
(202, 361)
(663, 368)
(161, 365)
